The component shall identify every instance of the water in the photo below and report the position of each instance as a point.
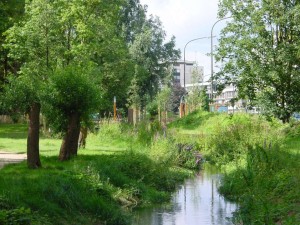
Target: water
(196, 202)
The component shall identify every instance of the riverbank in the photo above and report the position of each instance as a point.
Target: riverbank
(197, 201)
(120, 168)
(260, 160)
(124, 167)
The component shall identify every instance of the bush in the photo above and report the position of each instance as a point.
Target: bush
(266, 188)
(232, 135)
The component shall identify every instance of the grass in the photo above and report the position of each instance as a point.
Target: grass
(260, 159)
(123, 167)
(113, 174)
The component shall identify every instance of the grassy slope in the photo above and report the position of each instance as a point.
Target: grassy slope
(111, 175)
(262, 160)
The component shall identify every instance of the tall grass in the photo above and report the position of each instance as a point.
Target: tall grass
(260, 160)
(122, 167)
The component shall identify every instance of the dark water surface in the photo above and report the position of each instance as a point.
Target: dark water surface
(197, 202)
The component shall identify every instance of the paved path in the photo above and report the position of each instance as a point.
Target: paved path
(8, 157)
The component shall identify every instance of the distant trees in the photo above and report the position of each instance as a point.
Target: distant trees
(259, 49)
(152, 56)
(193, 99)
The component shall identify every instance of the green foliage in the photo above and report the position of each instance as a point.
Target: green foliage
(11, 12)
(232, 135)
(163, 98)
(266, 188)
(116, 36)
(134, 100)
(19, 94)
(192, 121)
(260, 159)
(152, 108)
(193, 98)
(100, 183)
(70, 90)
(259, 49)
(204, 99)
(89, 188)
(152, 56)
(176, 93)
(164, 151)
(189, 156)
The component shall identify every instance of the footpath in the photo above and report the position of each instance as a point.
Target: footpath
(8, 157)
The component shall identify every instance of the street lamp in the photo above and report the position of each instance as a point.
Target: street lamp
(211, 53)
(184, 56)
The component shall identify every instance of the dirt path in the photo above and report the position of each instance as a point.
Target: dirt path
(8, 157)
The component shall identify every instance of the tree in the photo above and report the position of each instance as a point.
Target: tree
(152, 56)
(204, 99)
(56, 34)
(259, 49)
(193, 97)
(22, 97)
(132, 19)
(30, 42)
(71, 97)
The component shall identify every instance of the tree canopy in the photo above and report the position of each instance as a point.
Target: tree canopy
(124, 49)
(259, 49)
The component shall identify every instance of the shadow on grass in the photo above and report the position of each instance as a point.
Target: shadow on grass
(13, 131)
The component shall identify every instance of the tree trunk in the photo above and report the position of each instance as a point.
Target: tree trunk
(33, 152)
(69, 145)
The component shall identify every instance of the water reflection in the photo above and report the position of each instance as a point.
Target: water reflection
(196, 202)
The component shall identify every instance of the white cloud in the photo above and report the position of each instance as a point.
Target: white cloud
(187, 20)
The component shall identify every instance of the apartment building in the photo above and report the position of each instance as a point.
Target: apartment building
(190, 68)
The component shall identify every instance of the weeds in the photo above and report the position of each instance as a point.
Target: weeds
(94, 188)
(261, 160)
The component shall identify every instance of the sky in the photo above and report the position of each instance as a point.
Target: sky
(187, 20)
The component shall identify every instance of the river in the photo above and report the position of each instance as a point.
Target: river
(197, 202)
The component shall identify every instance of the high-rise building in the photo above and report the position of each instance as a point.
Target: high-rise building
(192, 74)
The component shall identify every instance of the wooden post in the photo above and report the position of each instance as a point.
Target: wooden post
(130, 115)
(159, 115)
(166, 114)
(181, 108)
(186, 109)
(115, 108)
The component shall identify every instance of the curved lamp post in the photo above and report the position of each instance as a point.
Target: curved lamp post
(211, 53)
(184, 56)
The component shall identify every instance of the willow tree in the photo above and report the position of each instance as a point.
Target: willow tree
(259, 49)
(71, 96)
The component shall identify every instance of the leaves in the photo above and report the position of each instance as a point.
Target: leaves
(259, 50)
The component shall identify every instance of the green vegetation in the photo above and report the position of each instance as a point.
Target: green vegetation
(258, 51)
(124, 167)
(116, 172)
(259, 159)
